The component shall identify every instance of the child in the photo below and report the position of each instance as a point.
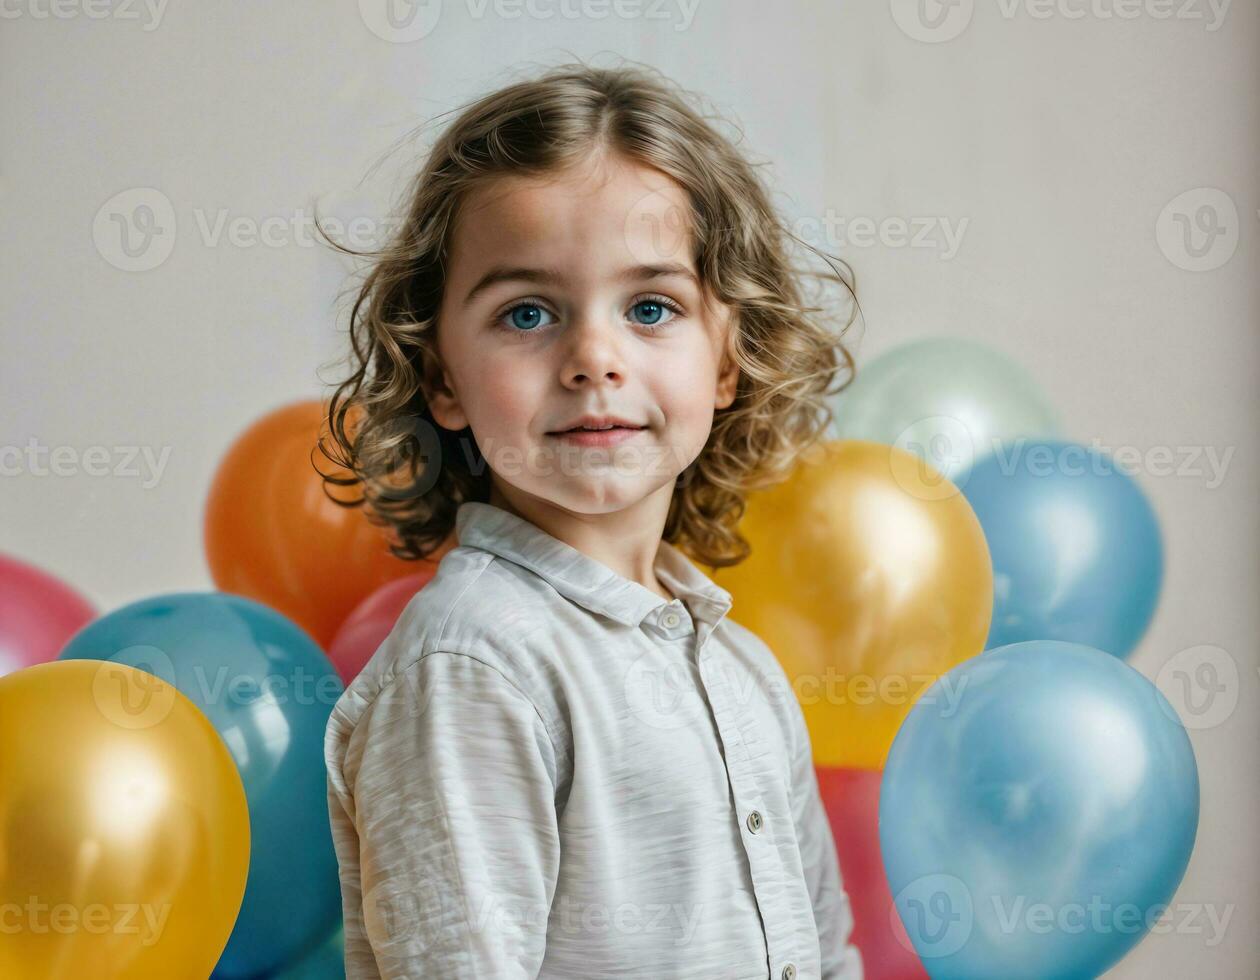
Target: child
(567, 760)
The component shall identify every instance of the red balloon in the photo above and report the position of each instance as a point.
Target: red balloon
(851, 799)
(366, 628)
(38, 614)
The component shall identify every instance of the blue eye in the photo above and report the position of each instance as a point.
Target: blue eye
(652, 312)
(525, 316)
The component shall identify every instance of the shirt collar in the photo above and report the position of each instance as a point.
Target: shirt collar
(583, 579)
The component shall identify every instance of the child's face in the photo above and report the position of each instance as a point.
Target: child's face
(571, 325)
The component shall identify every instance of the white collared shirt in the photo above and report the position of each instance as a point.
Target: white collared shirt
(548, 770)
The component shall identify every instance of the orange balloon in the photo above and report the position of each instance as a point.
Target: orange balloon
(272, 534)
(869, 578)
(124, 828)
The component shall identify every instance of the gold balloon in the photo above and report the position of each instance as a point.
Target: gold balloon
(124, 828)
(869, 578)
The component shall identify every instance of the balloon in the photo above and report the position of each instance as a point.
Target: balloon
(124, 833)
(851, 799)
(945, 399)
(328, 962)
(1076, 547)
(38, 613)
(272, 534)
(363, 632)
(1037, 812)
(268, 690)
(868, 578)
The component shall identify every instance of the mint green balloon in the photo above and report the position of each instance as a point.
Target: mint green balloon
(949, 401)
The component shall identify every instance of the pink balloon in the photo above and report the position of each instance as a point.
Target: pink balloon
(38, 614)
(365, 629)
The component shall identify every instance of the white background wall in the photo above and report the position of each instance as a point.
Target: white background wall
(1050, 144)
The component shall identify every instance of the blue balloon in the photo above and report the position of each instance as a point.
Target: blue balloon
(328, 962)
(1076, 548)
(268, 690)
(1037, 811)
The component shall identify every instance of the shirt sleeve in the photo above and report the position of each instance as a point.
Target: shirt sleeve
(833, 915)
(442, 803)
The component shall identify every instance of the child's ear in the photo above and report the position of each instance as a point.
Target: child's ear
(728, 373)
(728, 379)
(441, 398)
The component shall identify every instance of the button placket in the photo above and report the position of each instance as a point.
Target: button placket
(762, 854)
(672, 620)
(716, 684)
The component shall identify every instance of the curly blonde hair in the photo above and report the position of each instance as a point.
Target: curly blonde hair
(415, 474)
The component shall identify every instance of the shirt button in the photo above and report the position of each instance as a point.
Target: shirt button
(754, 824)
(671, 620)
(789, 972)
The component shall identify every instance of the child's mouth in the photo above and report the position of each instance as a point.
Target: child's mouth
(598, 437)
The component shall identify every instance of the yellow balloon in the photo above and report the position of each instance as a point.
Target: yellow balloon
(124, 828)
(869, 578)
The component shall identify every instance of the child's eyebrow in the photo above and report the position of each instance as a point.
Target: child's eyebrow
(546, 277)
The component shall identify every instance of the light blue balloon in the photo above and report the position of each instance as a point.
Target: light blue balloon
(1076, 548)
(948, 400)
(328, 962)
(268, 690)
(1037, 811)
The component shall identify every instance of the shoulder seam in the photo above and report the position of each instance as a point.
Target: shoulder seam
(489, 666)
(365, 702)
(438, 646)
(441, 634)
(450, 611)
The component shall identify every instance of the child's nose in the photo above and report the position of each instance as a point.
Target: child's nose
(593, 352)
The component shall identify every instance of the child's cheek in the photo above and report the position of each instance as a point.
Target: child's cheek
(688, 390)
